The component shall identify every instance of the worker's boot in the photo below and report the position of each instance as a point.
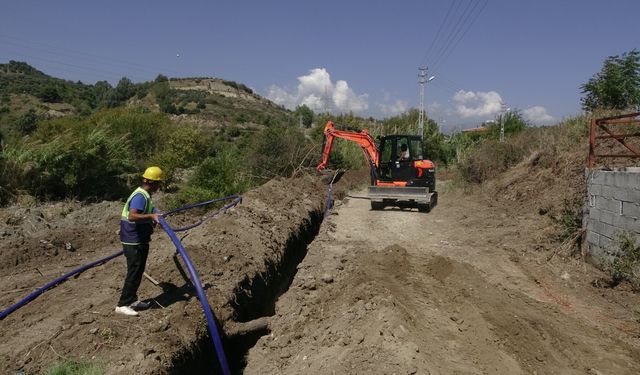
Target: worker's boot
(126, 310)
(140, 305)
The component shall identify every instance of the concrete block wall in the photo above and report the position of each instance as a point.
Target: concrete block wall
(613, 208)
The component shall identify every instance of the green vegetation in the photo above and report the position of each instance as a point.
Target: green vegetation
(481, 156)
(70, 367)
(626, 266)
(100, 137)
(616, 86)
(100, 156)
(305, 114)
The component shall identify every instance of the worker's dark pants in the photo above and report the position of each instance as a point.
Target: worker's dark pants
(136, 259)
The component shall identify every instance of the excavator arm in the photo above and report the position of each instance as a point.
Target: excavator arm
(362, 138)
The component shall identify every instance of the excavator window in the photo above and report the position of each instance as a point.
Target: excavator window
(415, 149)
(386, 159)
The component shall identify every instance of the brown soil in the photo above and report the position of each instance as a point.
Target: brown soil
(237, 257)
(466, 288)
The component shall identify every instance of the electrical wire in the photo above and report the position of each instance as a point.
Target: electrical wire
(459, 19)
(438, 33)
(66, 53)
(456, 40)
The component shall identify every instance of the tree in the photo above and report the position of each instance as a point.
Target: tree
(306, 114)
(124, 90)
(161, 78)
(28, 122)
(616, 86)
(102, 94)
(513, 122)
(50, 94)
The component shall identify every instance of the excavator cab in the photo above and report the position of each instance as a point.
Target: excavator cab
(399, 155)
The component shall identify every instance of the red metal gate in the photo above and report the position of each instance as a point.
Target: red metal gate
(627, 127)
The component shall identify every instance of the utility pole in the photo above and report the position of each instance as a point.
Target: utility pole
(422, 80)
(325, 100)
(503, 110)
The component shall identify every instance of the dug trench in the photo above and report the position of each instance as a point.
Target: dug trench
(254, 302)
(245, 258)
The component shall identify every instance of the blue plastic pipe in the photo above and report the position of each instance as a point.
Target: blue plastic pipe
(211, 323)
(235, 201)
(330, 195)
(55, 282)
(200, 204)
(329, 200)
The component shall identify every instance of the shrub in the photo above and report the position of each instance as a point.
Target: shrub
(489, 159)
(71, 367)
(569, 220)
(27, 123)
(276, 151)
(627, 264)
(83, 167)
(50, 94)
(182, 147)
(9, 179)
(215, 177)
(144, 131)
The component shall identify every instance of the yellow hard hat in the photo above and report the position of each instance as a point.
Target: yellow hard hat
(153, 174)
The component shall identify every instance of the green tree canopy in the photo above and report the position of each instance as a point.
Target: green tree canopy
(616, 86)
(513, 122)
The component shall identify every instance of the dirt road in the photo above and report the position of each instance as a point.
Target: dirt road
(465, 289)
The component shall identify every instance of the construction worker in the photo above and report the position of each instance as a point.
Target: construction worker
(136, 225)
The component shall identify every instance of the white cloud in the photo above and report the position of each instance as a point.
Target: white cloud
(537, 115)
(477, 104)
(393, 109)
(320, 94)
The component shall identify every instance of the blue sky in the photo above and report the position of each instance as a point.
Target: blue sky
(360, 56)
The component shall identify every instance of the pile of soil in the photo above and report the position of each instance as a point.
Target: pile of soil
(237, 257)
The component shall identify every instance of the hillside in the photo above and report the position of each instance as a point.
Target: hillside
(61, 139)
(212, 101)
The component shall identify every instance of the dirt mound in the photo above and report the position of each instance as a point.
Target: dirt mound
(238, 258)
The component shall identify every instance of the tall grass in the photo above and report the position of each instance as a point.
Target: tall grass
(626, 266)
(487, 158)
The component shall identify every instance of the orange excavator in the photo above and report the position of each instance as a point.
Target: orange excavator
(399, 174)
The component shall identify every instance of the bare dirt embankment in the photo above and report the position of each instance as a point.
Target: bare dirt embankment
(465, 289)
(242, 259)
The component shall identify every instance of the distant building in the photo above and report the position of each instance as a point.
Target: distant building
(479, 129)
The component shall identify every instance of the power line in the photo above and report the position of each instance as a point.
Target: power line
(102, 73)
(453, 26)
(459, 19)
(455, 42)
(438, 33)
(66, 53)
